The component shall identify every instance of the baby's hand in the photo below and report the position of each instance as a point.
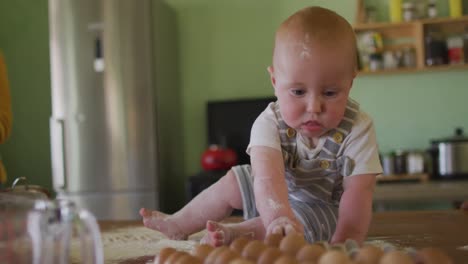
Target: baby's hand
(284, 226)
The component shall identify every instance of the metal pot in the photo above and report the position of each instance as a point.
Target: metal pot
(450, 156)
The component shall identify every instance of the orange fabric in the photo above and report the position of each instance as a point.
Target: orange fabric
(5, 102)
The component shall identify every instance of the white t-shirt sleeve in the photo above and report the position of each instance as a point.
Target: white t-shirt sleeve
(265, 130)
(361, 146)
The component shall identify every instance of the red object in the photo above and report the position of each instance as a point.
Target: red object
(218, 158)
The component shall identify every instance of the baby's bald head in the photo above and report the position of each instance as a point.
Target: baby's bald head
(314, 27)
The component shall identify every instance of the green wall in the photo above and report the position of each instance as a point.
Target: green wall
(212, 50)
(25, 42)
(226, 46)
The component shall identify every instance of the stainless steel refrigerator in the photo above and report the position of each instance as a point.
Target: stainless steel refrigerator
(103, 135)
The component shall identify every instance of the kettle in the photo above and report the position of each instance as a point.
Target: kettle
(450, 156)
(47, 231)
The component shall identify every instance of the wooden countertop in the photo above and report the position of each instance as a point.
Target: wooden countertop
(447, 230)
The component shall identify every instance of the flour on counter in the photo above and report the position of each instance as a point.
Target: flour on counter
(134, 242)
(130, 243)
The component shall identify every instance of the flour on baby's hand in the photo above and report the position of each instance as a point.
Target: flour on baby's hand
(274, 205)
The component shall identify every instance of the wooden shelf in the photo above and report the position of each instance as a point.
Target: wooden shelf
(432, 21)
(397, 36)
(421, 177)
(415, 69)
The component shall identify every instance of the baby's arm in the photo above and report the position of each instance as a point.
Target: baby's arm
(271, 192)
(355, 210)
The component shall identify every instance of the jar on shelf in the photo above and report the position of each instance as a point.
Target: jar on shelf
(435, 48)
(371, 14)
(455, 8)
(375, 61)
(400, 162)
(395, 10)
(455, 49)
(420, 9)
(409, 11)
(409, 57)
(389, 60)
(415, 162)
(388, 163)
(432, 9)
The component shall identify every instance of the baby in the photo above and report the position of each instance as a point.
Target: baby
(314, 155)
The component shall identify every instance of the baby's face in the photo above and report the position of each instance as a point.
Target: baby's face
(312, 84)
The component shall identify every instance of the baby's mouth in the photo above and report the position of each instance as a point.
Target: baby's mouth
(312, 126)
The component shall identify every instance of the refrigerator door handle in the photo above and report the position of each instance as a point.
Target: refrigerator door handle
(57, 140)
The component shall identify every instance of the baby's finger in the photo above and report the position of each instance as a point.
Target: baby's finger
(277, 230)
(289, 229)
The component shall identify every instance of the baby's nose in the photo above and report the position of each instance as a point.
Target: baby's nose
(314, 105)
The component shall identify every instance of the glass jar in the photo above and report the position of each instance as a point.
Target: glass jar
(409, 11)
(388, 163)
(409, 57)
(371, 14)
(400, 162)
(435, 48)
(432, 9)
(455, 49)
(375, 61)
(389, 60)
(415, 162)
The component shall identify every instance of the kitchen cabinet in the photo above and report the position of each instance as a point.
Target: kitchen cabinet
(410, 37)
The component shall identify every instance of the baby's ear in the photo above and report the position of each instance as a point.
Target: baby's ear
(272, 75)
(270, 70)
(352, 80)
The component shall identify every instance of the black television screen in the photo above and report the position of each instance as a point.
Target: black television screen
(229, 123)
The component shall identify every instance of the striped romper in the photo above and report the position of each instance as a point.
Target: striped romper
(314, 185)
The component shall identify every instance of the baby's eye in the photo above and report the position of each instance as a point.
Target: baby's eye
(330, 93)
(297, 92)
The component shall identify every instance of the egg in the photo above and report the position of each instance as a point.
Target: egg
(163, 255)
(291, 243)
(202, 251)
(241, 261)
(286, 259)
(396, 257)
(211, 258)
(310, 252)
(174, 257)
(226, 256)
(239, 243)
(188, 259)
(269, 255)
(334, 257)
(433, 256)
(273, 240)
(368, 254)
(253, 250)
